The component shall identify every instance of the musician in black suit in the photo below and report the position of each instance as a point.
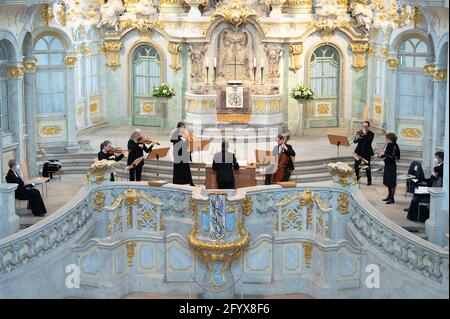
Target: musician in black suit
(26, 192)
(136, 149)
(181, 156)
(281, 147)
(364, 149)
(224, 164)
(107, 153)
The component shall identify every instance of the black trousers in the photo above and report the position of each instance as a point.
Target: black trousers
(35, 202)
(225, 185)
(136, 173)
(413, 211)
(368, 171)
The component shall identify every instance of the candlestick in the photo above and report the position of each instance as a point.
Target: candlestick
(215, 74)
(262, 74)
(207, 74)
(207, 62)
(254, 73)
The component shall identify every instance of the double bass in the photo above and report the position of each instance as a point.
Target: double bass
(283, 161)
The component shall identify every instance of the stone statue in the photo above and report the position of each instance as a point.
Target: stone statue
(197, 54)
(235, 54)
(325, 8)
(362, 12)
(109, 14)
(258, 6)
(273, 54)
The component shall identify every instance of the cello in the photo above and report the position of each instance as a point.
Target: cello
(283, 161)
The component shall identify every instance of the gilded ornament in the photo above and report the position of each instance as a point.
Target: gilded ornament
(247, 206)
(371, 50)
(385, 53)
(30, 66)
(130, 252)
(359, 50)
(85, 50)
(307, 249)
(377, 109)
(99, 170)
(175, 49)
(47, 13)
(429, 69)
(323, 109)
(234, 13)
(295, 50)
(343, 203)
(70, 61)
(342, 173)
(15, 72)
(411, 133)
(147, 108)
(93, 107)
(112, 50)
(62, 14)
(392, 63)
(51, 130)
(99, 201)
(440, 75)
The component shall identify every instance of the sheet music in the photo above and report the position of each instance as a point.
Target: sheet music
(421, 190)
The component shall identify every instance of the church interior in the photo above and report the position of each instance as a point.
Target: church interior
(116, 117)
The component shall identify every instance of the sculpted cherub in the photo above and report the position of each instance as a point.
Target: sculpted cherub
(197, 53)
(273, 54)
(110, 13)
(361, 10)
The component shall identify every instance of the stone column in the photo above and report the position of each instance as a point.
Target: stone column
(392, 64)
(436, 227)
(428, 118)
(446, 150)
(440, 87)
(9, 221)
(71, 102)
(31, 114)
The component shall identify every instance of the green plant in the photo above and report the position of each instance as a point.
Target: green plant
(164, 91)
(302, 92)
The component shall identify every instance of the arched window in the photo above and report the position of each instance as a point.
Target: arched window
(4, 111)
(325, 81)
(411, 53)
(146, 74)
(50, 76)
(93, 63)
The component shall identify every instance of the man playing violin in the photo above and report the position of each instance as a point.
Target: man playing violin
(108, 152)
(364, 150)
(284, 166)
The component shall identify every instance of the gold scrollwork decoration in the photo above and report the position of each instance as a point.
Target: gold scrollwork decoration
(392, 63)
(175, 50)
(295, 50)
(342, 173)
(29, 66)
(440, 75)
(411, 133)
(112, 51)
(234, 13)
(99, 201)
(343, 203)
(359, 50)
(51, 130)
(307, 250)
(130, 252)
(429, 69)
(247, 206)
(47, 13)
(15, 72)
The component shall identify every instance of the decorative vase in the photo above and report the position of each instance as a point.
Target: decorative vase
(194, 12)
(276, 8)
(301, 109)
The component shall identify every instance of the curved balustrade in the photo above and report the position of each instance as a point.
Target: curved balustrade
(301, 240)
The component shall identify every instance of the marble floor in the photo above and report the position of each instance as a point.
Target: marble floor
(312, 145)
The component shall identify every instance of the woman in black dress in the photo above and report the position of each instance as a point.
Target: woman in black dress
(107, 153)
(181, 155)
(136, 149)
(390, 154)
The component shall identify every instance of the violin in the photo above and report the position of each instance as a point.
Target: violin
(115, 150)
(145, 140)
(283, 161)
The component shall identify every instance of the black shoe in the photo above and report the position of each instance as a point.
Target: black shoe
(390, 201)
(369, 183)
(406, 209)
(385, 199)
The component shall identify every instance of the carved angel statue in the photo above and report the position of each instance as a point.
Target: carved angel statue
(273, 54)
(197, 53)
(110, 13)
(362, 12)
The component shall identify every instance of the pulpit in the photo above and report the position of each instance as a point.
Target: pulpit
(244, 177)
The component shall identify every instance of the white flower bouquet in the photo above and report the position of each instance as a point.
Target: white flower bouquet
(163, 91)
(302, 92)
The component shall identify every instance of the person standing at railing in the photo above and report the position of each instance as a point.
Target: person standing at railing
(224, 164)
(107, 153)
(26, 192)
(136, 149)
(390, 153)
(180, 138)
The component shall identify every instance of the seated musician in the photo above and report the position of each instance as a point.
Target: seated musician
(282, 153)
(435, 180)
(224, 164)
(26, 192)
(107, 153)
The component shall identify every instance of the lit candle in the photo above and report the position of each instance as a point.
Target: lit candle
(262, 63)
(207, 62)
(215, 62)
(254, 62)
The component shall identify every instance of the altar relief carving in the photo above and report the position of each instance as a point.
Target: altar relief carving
(273, 54)
(235, 55)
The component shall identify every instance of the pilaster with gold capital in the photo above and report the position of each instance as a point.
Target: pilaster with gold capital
(175, 50)
(112, 51)
(14, 72)
(295, 50)
(359, 51)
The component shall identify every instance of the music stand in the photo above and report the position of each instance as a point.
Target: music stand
(264, 157)
(198, 146)
(338, 140)
(158, 153)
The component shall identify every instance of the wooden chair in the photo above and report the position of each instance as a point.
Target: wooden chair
(20, 201)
